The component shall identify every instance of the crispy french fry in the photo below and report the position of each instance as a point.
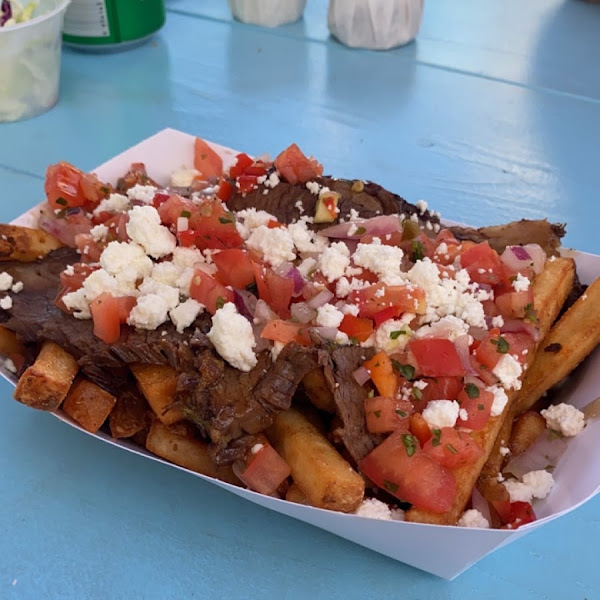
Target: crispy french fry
(318, 391)
(129, 416)
(327, 480)
(526, 429)
(45, 384)
(550, 289)
(575, 335)
(88, 404)
(178, 445)
(24, 244)
(296, 495)
(158, 384)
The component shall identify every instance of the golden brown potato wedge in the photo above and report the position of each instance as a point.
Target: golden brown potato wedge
(130, 415)
(527, 427)
(158, 384)
(24, 244)
(178, 445)
(326, 479)
(550, 289)
(46, 382)
(296, 495)
(88, 404)
(318, 391)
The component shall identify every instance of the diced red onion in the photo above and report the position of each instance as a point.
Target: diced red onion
(544, 452)
(538, 257)
(323, 297)
(288, 270)
(261, 343)
(361, 375)
(263, 313)
(63, 229)
(376, 226)
(521, 258)
(478, 502)
(478, 333)
(461, 343)
(5, 12)
(520, 252)
(245, 302)
(302, 312)
(520, 326)
(326, 333)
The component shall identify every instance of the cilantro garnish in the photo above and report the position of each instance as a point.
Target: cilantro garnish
(407, 371)
(410, 443)
(472, 390)
(61, 201)
(451, 449)
(390, 486)
(437, 434)
(502, 346)
(220, 303)
(418, 250)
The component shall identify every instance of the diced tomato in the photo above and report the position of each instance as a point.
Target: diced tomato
(402, 469)
(453, 247)
(274, 289)
(375, 298)
(452, 448)
(174, 207)
(214, 226)
(438, 388)
(491, 349)
(515, 305)
(235, 267)
(247, 183)
(286, 332)
(93, 189)
(295, 167)
(483, 264)
(159, 199)
(391, 312)
(356, 328)
(393, 238)
(137, 175)
(225, 190)
(437, 356)
(243, 161)
(419, 247)
(206, 160)
(478, 404)
(72, 282)
(263, 469)
(108, 313)
(117, 228)
(209, 292)
(62, 186)
(89, 249)
(519, 513)
(382, 374)
(384, 414)
(420, 428)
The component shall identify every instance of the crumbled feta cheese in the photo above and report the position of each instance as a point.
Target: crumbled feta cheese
(305, 239)
(168, 293)
(276, 349)
(535, 484)
(500, 400)
(9, 365)
(350, 309)
(142, 193)
(166, 272)
(521, 283)
(463, 414)
(504, 450)
(144, 228)
(275, 245)
(374, 509)
(76, 301)
(6, 303)
(383, 260)
(69, 270)
(99, 233)
(422, 206)
(187, 257)
(6, 281)
(508, 370)
(329, 316)
(17, 287)
(393, 334)
(441, 413)
(127, 262)
(442, 249)
(497, 321)
(183, 177)
(113, 204)
(564, 418)
(307, 266)
(98, 282)
(313, 187)
(233, 338)
(345, 286)
(473, 518)
(449, 327)
(249, 219)
(149, 312)
(334, 260)
(185, 314)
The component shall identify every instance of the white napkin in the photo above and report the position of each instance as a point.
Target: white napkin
(375, 24)
(269, 13)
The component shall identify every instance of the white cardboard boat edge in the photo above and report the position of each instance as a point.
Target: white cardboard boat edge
(441, 550)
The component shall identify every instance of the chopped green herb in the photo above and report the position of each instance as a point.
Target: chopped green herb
(472, 390)
(407, 371)
(401, 413)
(480, 407)
(220, 302)
(437, 434)
(224, 220)
(417, 393)
(360, 231)
(353, 341)
(371, 394)
(396, 334)
(105, 190)
(377, 413)
(502, 346)
(60, 200)
(451, 449)
(418, 250)
(186, 214)
(531, 314)
(390, 486)
(410, 443)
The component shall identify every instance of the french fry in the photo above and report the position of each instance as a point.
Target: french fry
(158, 384)
(46, 382)
(178, 445)
(129, 416)
(550, 289)
(575, 335)
(527, 427)
(88, 404)
(296, 495)
(326, 479)
(24, 244)
(318, 391)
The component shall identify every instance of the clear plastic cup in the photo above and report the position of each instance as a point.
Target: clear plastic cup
(30, 62)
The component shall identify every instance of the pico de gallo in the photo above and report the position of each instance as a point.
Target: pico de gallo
(449, 324)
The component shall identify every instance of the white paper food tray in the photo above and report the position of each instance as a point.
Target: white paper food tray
(441, 550)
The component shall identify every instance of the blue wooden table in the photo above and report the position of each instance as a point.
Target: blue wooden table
(493, 114)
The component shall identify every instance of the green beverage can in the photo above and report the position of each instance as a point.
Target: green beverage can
(105, 25)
